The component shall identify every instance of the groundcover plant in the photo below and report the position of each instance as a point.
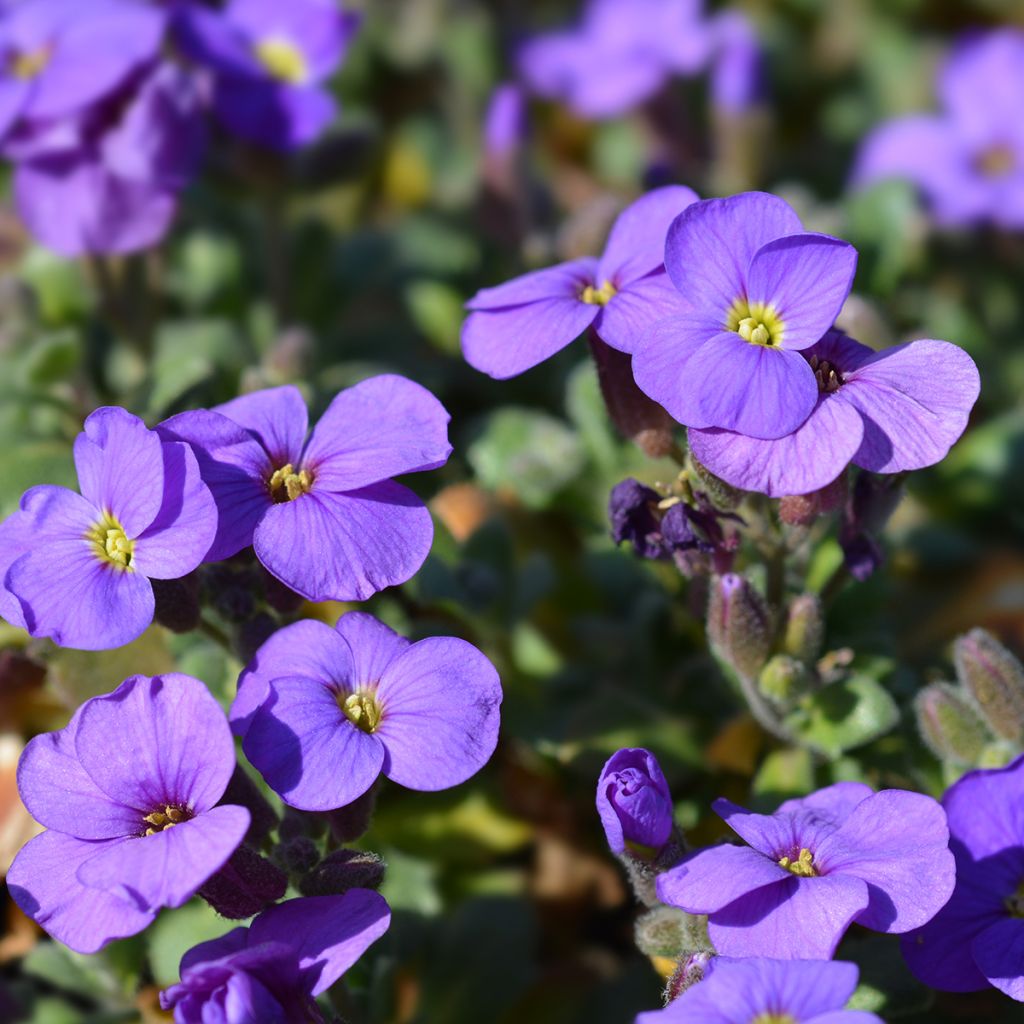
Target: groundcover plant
(511, 512)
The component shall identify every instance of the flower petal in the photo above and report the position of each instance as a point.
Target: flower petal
(177, 540)
(563, 281)
(345, 547)
(380, 428)
(280, 116)
(328, 933)
(915, 400)
(276, 417)
(15, 536)
(42, 881)
(157, 741)
(301, 742)
(999, 953)
(711, 245)
(1000, 792)
(440, 699)
(374, 646)
(634, 310)
(712, 879)
(833, 803)
(166, 868)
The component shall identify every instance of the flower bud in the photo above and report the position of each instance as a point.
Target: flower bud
(343, 870)
(721, 494)
(245, 885)
(995, 679)
(694, 968)
(177, 603)
(803, 509)
(949, 725)
(298, 855)
(739, 624)
(784, 679)
(242, 790)
(805, 628)
(670, 932)
(348, 823)
(634, 803)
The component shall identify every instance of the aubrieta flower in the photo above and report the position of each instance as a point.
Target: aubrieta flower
(758, 290)
(270, 61)
(634, 802)
(517, 325)
(128, 793)
(817, 865)
(887, 412)
(977, 938)
(619, 56)
(737, 70)
(761, 991)
(321, 511)
(273, 970)
(967, 160)
(77, 567)
(423, 714)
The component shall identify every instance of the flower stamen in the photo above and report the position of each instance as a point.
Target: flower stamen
(756, 323)
(598, 296)
(802, 867)
(828, 378)
(1015, 902)
(160, 821)
(362, 709)
(111, 543)
(282, 60)
(287, 485)
(26, 66)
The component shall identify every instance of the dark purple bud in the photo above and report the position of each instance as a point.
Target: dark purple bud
(246, 793)
(245, 885)
(632, 513)
(348, 823)
(862, 555)
(253, 633)
(343, 870)
(177, 603)
(298, 855)
(280, 597)
(230, 592)
(634, 803)
(739, 624)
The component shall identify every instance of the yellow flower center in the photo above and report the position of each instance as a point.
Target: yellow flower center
(362, 709)
(995, 162)
(287, 485)
(160, 821)
(1015, 903)
(283, 60)
(26, 66)
(111, 543)
(598, 296)
(803, 866)
(756, 323)
(774, 1018)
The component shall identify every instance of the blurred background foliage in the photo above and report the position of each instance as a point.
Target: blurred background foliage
(355, 259)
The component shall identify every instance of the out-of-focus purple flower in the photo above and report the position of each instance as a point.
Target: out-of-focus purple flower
(634, 802)
(631, 512)
(871, 502)
(977, 938)
(273, 970)
(737, 71)
(769, 991)
(967, 160)
(619, 56)
(758, 290)
(841, 855)
(271, 61)
(505, 121)
(127, 792)
(321, 511)
(77, 567)
(887, 412)
(425, 714)
(515, 326)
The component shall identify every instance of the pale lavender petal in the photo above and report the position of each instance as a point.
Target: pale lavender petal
(158, 741)
(277, 417)
(179, 537)
(772, 835)
(328, 933)
(999, 953)
(307, 648)
(440, 702)
(308, 751)
(711, 245)
(120, 467)
(564, 281)
(898, 843)
(14, 95)
(374, 646)
(834, 803)
(345, 547)
(506, 342)
(166, 868)
(805, 279)
(635, 310)
(42, 881)
(798, 919)
(915, 400)
(712, 879)
(636, 243)
(380, 428)
(799, 463)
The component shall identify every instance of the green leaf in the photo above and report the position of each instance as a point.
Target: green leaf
(175, 932)
(844, 715)
(60, 286)
(187, 353)
(436, 309)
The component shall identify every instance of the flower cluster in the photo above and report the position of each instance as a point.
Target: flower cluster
(103, 107)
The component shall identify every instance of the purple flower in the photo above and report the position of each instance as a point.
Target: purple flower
(814, 867)
(519, 324)
(321, 511)
(424, 714)
(758, 290)
(968, 160)
(619, 56)
(272, 970)
(77, 567)
(634, 802)
(737, 75)
(977, 939)
(887, 412)
(127, 792)
(505, 123)
(270, 60)
(769, 991)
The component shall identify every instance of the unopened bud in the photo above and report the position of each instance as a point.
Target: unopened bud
(343, 870)
(350, 822)
(784, 679)
(177, 603)
(242, 790)
(803, 509)
(245, 885)
(694, 968)
(720, 494)
(634, 803)
(298, 855)
(805, 628)
(949, 725)
(251, 635)
(739, 624)
(671, 932)
(995, 679)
